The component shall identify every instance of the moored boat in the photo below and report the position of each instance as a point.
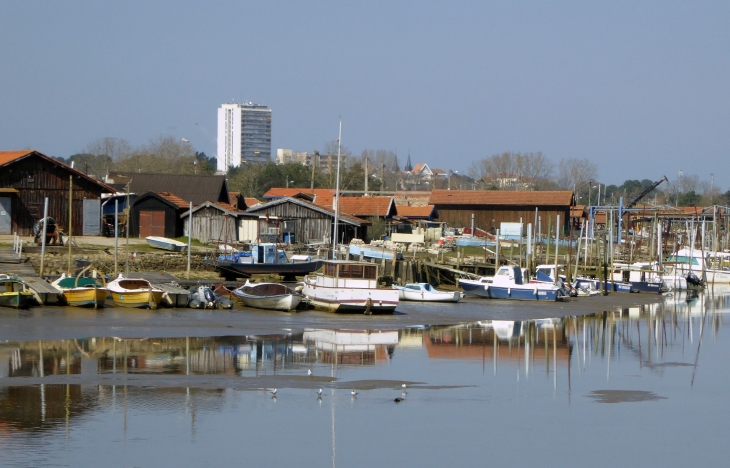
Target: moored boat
(134, 292)
(347, 286)
(270, 296)
(205, 298)
(15, 293)
(166, 244)
(424, 292)
(508, 284)
(81, 291)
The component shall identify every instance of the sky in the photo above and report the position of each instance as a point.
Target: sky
(639, 88)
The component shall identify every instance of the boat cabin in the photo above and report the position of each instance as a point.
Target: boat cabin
(348, 274)
(508, 276)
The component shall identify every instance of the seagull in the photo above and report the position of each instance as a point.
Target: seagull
(273, 392)
(309, 372)
(353, 393)
(319, 393)
(399, 399)
(404, 385)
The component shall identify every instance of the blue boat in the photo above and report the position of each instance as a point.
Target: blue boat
(508, 284)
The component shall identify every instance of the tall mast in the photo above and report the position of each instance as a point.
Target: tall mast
(337, 194)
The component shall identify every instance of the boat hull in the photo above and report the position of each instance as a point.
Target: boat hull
(248, 269)
(516, 292)
(84, 297)
(138, 299)
(166, 244)
(428, 296)
(16, 299)
(614, 286)
(347, 300)
(283, 302)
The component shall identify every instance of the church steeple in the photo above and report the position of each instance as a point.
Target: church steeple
(409, 166)
(396, 166)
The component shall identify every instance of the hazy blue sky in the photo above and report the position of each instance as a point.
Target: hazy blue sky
(641, 88)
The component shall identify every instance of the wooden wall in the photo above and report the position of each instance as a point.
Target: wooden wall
(36, 178)
(173, 223)
(488, 217)
(311, 225)
(212, 225)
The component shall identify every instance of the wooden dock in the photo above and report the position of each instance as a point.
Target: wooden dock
(11, 264)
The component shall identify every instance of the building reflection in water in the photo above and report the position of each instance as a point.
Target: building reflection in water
(558, 346)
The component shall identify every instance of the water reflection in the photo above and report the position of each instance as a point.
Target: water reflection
(651, 338)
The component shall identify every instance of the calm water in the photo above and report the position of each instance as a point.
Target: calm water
(643, 386)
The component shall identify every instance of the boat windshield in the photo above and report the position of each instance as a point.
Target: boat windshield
(353, 270)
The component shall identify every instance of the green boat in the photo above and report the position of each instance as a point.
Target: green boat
(15, 293)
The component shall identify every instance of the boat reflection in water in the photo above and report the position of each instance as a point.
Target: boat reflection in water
(35, 395)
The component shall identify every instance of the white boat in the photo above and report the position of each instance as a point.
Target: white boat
(270, 296)
(166, 244)
(424, 292)
(348, 286)
(687, 260)
(134, 292)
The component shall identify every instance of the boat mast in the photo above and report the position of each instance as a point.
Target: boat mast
(337, 194)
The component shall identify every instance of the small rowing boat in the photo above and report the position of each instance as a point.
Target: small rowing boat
(424, 292)
(269, 296)
(134, 292)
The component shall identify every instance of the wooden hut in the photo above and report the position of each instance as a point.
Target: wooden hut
(492, 207)
(157, 214)
(27, 177)
(311, 223)
(215, 222)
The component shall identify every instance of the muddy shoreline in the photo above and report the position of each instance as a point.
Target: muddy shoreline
(51, 323)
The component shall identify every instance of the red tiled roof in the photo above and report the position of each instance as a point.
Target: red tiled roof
(232, 197)
(501, 197)
(418, 168)
(174, 199)
(415, 211)
(366, 206)
(8, 156)
(227, 206)
(292, 192)
(251, 201)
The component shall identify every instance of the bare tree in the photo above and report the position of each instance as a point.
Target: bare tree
(519, 170)
(574, 173)
(114, 148)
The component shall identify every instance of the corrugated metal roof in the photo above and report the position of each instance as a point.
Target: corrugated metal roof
(501, 197)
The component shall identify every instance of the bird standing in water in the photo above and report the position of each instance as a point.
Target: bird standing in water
(309, 372)
(353, 393)
(399, 399)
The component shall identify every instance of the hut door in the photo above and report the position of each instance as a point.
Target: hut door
(5, 220)
(92, 217)
(151, 223)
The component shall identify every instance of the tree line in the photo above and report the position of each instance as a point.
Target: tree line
(503, 171)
